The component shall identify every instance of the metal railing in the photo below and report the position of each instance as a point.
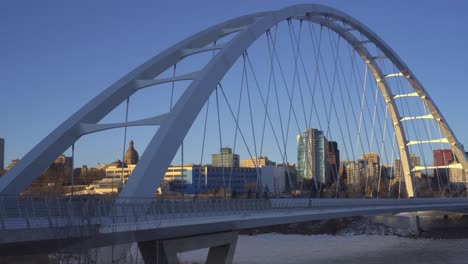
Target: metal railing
(33, 212)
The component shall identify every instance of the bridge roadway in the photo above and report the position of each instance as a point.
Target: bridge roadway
(41, 226)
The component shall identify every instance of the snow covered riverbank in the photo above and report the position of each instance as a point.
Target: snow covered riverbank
(352, 240)
(279, 248)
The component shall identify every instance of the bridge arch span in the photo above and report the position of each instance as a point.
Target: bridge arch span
(176, 124)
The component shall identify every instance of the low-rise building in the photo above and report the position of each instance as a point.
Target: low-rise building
(192, 178)
(275, 178)
(457, 175)
(226, 158)
(181, 177)
(117, 174)
(257, 162)
(290, 172)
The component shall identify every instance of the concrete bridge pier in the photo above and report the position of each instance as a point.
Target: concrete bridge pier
(221, 248)
(414, 224)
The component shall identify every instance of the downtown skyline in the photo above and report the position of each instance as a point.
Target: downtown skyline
(147, 132)
(69, 79)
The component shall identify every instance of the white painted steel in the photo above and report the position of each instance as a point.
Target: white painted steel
(429, 116)
(387, 95)
(394, 75)
(450, 166)
(189, 52)
(91, 128)
(140, 84)
(405, 95)
(173, 129)
(38, 159)
(414, 142)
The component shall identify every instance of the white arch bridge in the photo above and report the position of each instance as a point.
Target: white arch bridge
(300, 84)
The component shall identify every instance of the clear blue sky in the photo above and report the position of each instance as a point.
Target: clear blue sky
(57, 55)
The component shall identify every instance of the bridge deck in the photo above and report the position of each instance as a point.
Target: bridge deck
(92, 223)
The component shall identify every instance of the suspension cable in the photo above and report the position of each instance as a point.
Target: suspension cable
(124, 144)
(252, 125)
(172, 87)
(312, 93)
(333, 43)
(235, 120)
(295, 50)
(331, 90)
(203, 144)
(72, 169)
(238, 115)
(220, 141)
(362, 121)
(271, 51)
(268, 93)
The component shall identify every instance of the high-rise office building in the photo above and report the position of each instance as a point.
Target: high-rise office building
(290, 172)
(387, 171)
(355, 171)
(371, 157)
(274, 178)
(442, 157)
(2, 154)
(416, 162)
(311, 155)
(372, 165)
(333, 159)
(225, 158)
(348, 171)
(398, 168)
(457, 175)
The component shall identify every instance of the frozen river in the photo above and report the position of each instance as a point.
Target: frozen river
(350, 241)
(279, 248)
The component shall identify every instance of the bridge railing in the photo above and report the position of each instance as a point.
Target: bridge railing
(32, 212)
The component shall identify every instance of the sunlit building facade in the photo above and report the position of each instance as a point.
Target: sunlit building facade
(442, 157)
(311, 155)
(117, 173)
(256, 162)
(372, 165)
(355, 171)
(398, 168)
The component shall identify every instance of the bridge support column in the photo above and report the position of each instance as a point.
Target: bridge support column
(414, 224)
(221, 248)
(152, 252)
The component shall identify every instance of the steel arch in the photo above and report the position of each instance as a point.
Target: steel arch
(175, 125)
